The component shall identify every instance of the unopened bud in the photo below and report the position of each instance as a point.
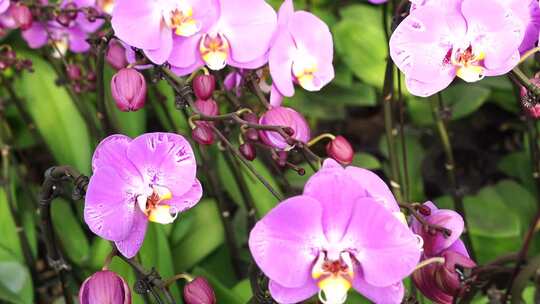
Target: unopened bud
(340, 150)
(448, 277)
(116, 55)
(128, 88)
(203, 134)
(199, 291)
(207, 107)
(204, 86)
(73, 71)
(105, 287)
(251, 134)
(248, 151)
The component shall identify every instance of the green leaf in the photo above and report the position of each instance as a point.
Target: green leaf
(10, 238)
(366, 161)
(520, 200)
(465, 98)
(205, 235)
(69, 231)
(55, 115)
(15, 281)
(518, 165)
(242, 289)
(489, 216)
(360, 42)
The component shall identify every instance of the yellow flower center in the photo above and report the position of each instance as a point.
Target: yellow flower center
(304, 66)
(106, 5)
(60, 47)
(153, 206)
(334, 277)
(468, 64)
(180, 19)
(214, 50)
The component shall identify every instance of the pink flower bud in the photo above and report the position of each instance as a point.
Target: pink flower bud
(104, 287)
(297, 125)
(203, 134)
(534, 111)
(207, 107)
(251, 134)
(204, 86)
(248, 151)
(446, 276)
(128, 88)
(116, 55)
(74, 72)
(341, 150)
(199, 291)
(22, 16)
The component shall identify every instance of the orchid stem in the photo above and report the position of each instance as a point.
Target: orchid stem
(450, 166)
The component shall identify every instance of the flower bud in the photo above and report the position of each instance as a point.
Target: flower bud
(116, 55)
(251, 134)
(22, 16)
(204, 86)
(73, 71)
(446, 276)
(203, 134)
(199, 291)
(248, 151)
(128, 89)
(534, 111)
(284, 117)
(104, 287)
(207, 107)
(341, 150)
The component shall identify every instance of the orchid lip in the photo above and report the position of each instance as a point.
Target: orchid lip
(214, 50)
(180, 19)
(60, 47)
(303, 68)
(469, 63)
(154, 208)
(334, 277)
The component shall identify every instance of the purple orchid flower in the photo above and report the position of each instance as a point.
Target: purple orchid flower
(439, 41)
(302, 52)
(72, 37)
(440, 281)
(4, 5)
(240, 38)
(340, 233)
(163, 20)
(149, 178)
(533, 26)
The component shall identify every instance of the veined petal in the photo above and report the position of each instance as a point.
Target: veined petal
(386, 249)
(280, 63)
(284, 242)
(133, 242)
(109, 205)
(186, 200)
(164, 159)
(392, 294)
(129, 15)
(374, 186)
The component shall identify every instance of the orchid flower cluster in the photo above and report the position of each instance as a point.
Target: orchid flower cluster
(346, 230)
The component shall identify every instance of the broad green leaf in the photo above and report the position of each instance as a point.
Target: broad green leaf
(465, 98)
(180, 123)
(242, 289)
(518, 165)
(205, 235)
(69, 231)
(360, 41)
(520, 200)
(10, 238)
(99, 250)
(15, 281)
(489, 216)
(124, 270)
(366, 161)
(55, 115)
